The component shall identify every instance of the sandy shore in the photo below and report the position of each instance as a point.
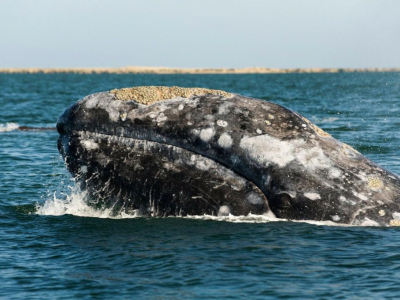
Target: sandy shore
(166, 70)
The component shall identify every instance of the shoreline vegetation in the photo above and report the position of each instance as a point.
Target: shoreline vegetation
(166, 70)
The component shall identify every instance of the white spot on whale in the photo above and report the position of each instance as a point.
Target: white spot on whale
(123, 116)
(254, 198)
(258, 130)
(161, 117)
(91, 102)
(180, 107)
(207, 134)
(222, 123)
(369, 222)
(396, 215)
(360, 196)
(224, 108)
(225, 141)
(266, 149)
(336, 218)
(224, 210)
(90, 145)
(334, 172)
(312, 196)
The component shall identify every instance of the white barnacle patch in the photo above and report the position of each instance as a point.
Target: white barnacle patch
(113, 109)
(360, 196)
(312, 196)
(258, 130)
(91, 101)
(266, 149)
(335, 218)
(224, 108)
(222, 123)
(207, 134)
(254, 198)
(224, 210)
(204, 165)
(161, 118)
(180, 107)
(225, 141)
(382, 213)
(334, 172)
(342, 198)
(123, 116)
(396, 215)
(314, 159)
(152, 115)
(90, 144)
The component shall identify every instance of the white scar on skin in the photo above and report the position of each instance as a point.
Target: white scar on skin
(207, 134)
(312, 196)
(225, 141)
(266, 149)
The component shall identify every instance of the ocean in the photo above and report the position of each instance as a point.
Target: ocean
(54, 246)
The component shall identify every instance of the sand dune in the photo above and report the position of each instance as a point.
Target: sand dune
(166, 70)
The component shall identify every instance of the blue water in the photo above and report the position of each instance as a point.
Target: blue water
(53, 247)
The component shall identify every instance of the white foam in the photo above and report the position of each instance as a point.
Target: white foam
(9, 127)
(75, 204)
(324, 120)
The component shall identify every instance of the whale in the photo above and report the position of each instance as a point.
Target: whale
(172, 151)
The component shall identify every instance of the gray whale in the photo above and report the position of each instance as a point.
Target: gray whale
(160, 151)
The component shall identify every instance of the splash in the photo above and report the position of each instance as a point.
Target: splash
(8, 127)
(76, 204)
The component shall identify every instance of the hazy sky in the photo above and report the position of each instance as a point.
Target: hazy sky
(204, 33)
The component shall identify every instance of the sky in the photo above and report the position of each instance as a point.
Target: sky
(200, 33)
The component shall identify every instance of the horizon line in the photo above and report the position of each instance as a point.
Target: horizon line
(172, 70)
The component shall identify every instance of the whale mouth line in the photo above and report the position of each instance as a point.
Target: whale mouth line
(86, 136)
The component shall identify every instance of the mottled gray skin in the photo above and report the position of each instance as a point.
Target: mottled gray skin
(215, 155)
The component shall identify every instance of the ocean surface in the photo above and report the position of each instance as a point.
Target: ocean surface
(53, 246)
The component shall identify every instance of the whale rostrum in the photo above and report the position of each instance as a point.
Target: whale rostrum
(160, 151)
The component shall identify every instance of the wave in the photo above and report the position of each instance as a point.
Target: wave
(9, 127)
(75, 204)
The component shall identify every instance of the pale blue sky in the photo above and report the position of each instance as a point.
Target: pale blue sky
(206, 33)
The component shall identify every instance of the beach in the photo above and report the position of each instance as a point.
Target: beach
(168, 70)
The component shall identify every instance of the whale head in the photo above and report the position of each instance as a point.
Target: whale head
(176, 151)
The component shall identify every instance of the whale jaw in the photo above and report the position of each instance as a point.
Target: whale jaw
(154, 179)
